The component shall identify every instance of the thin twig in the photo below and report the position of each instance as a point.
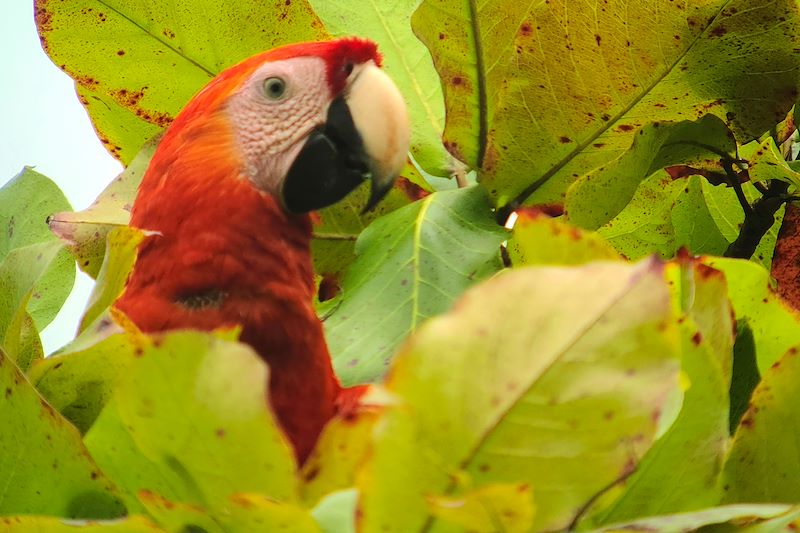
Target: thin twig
(335, 236)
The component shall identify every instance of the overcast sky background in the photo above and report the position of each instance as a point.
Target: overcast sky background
(44, 125)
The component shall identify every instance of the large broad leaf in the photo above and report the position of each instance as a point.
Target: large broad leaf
(411, 265)
(44, 467)
(190, 423)
(540, 93)
(484, 396)
(406, 60)
(765, 456)
(36, 275)
(680, 471)
(138, 63)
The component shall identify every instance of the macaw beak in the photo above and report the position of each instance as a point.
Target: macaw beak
(365, 136)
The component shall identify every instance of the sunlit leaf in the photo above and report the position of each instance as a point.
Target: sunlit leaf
(136, 64)
(540, 93)
(484, 397)
(753, 517)
(597, 197)
(189, 422)
(775, 326)
(541, 240)
(765, 454)
(491, 508)
(680, 471)
(42, 524)
(44, 467)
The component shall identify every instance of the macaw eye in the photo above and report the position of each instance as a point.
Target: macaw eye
(274, 88)
(348, 68)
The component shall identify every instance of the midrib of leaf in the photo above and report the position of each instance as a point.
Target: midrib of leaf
(580, 147)
(415, 258)
(483, 119)
(157, 38)
(503, 415)
(417, 89)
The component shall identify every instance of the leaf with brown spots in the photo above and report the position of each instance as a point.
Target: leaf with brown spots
(484, 396)
(170, 52)
(44, 467)
(159, 432)
(599, 196)
(535, 73)
(36, 272)
(681, 470)
(763, 458)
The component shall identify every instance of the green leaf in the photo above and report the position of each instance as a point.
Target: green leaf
(85, 231)
(541, 240)
(413, 262)
(767, 163)
(121, 246)
(336, 513)
(483, 397)
(765, 455)
(137, 64)
(665, 215)
(42, 524)
(189, 422)
(79, 382)
(735, 517)
(243, 512)
(44, 467)
(338, 226)
(340, 451)
(745, 376)
(680, 471)
(540, 93)
(408, 63)
(35, 275)
(775, 325)
(496, 507)
(597, 197)
(20, 272)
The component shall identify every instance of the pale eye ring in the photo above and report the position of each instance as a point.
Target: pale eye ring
(274, 88)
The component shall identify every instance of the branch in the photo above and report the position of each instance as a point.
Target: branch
(758, 220)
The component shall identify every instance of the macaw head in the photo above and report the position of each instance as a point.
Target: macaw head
(307, 123)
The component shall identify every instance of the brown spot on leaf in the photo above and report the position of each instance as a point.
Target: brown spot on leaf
(120, 52)
(412, 191)
(624, 127)
(220, 432)
(166, 32)
(718, 31)
(597, 39)
(525, 30)
(311, 474)
(697, 338)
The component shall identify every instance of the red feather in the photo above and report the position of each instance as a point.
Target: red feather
(221, 241)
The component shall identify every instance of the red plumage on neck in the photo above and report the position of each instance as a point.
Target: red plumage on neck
(223, 243)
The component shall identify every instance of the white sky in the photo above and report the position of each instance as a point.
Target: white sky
(44, 125)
